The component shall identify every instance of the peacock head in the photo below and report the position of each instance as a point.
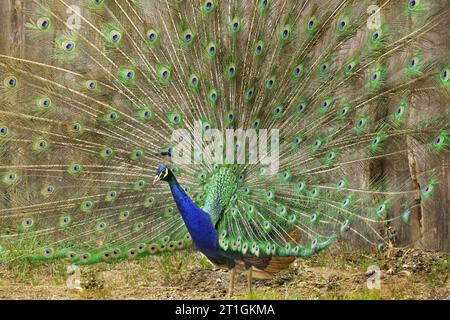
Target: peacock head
(163, 173)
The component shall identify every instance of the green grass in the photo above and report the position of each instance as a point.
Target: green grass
(262, 296)
(186, 275)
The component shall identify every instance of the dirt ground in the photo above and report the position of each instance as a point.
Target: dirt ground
(342, 274)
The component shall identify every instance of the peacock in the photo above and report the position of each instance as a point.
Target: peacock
(114, 119)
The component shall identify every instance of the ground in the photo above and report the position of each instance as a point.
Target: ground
(338, 273)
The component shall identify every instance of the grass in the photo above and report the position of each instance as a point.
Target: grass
(332, 275)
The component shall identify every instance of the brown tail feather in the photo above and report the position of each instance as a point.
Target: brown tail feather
(272, 265)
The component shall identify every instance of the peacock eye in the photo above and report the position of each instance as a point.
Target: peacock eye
(231, 70)
(188, 37)
(12, 82)
(235, 25)
(374, 76)
(43, 23)
(115, 36)
(92, 85)
(311, 23)
(342, 24)
(69, 46)
(4, 131)
(444, 75)
(376, 35)
(324, 67)
(412, 4)
(165, 74)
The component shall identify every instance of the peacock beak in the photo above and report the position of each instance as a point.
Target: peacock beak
(157, 178)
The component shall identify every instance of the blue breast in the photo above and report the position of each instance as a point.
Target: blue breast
(198, 222)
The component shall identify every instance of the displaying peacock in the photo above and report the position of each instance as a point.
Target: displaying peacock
(87, 120)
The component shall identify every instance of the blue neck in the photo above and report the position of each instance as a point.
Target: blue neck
(197, 221)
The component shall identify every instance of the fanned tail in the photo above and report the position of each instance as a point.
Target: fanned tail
(87, 114)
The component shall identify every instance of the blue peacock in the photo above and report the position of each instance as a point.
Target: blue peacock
(88, 111)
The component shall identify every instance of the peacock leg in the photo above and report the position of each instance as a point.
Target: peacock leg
(249, 280)
(231, 285)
